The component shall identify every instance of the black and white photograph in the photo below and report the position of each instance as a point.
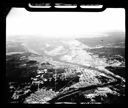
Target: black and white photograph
(65, 57)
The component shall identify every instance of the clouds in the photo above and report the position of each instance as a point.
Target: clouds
(64, 24)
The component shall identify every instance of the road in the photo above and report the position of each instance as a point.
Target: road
(62, 95)
(79, 90)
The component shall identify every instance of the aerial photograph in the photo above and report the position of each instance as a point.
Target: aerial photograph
(65, 57)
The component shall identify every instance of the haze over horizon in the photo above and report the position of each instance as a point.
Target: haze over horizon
(20, 22)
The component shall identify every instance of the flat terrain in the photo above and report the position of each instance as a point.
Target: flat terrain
(57, 71)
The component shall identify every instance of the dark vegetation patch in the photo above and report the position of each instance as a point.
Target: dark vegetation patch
(75, 98)
(59, 81)
(117, 70)
(20, 70)
(19, 74)
(103, 79)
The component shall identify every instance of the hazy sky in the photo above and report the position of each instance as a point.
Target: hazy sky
(65, 24)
